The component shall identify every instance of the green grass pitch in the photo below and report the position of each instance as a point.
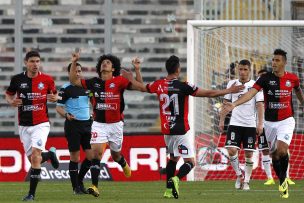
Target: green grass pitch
(207, 192)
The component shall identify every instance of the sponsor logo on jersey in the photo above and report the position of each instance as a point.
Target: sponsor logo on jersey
(23, 86)
(97, 85)
(36, 107)
(288, 83)
(272, 82)
(112, 85)
(96, 94)
(278, 105)
(103, 106)
(40, 86)
(22, 96)
(269, 92)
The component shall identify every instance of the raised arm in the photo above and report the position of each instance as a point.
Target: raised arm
(75, 57)
(135, 85)
(215, 93)
(136, 64)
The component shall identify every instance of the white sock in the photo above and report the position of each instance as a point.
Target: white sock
(234, 160)
(248, 169)
(267, 165)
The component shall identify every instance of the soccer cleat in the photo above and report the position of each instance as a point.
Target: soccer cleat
(82, 188)
(168, 193)
(93, 190)
(28, 197)
(127, 171)
(53, 157)
(174, 181)
(270, 182)
(283, 189)
(239, 182)
(246, 186)
(290, 182)
(77, 191)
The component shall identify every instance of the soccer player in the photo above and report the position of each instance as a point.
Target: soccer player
(108, 106)
(243, 126)
(173, 98)
(33, 89)
(279, 122)
(73, 104)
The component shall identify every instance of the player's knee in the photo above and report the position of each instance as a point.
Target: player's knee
(232, 151)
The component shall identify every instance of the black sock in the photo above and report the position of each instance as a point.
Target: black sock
(73, 169)
(95, 171)
(85, 166)
(284, 165)
(34, 178)
(184, 169)
(45, 156)
(122, 161)
(170, 171)
(277, 168)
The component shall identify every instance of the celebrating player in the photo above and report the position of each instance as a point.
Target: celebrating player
(108, 106)
(173, 98)
(33, 89)
(73, 104)
(243, 126)
(279, 122)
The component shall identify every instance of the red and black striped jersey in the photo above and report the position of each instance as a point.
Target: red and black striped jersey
(277, 94)
(33, 92)
(173, 98)
(108, 101)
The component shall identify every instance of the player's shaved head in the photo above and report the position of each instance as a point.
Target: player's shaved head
(172, 64)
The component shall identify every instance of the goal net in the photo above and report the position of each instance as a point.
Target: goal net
(214, 49)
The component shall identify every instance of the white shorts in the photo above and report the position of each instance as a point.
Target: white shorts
(179, 145)
(279, 130)
(34, 136)
(108, 132)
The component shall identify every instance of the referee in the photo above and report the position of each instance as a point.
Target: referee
(73, 104)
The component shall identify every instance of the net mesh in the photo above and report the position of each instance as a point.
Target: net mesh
(217, 51)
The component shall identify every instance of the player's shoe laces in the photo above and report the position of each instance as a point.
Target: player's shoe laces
(127, 171)
(246, 186)
(174, 182)
(83, 189)
(93, 190)
(270, 182)
(290, 182)
(53, 157)
(239, 182)
(28, 197)
(283, 189)
(168, 193)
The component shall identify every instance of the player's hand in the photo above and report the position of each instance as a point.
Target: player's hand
(16, 102)
(227, 107)
(52, 97)
(222, 126)
(236, 88)
(136, 63)
(75, 56)
(127, 74)
(70, 116)
(259, 129)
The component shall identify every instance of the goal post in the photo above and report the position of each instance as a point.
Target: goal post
(213, 47)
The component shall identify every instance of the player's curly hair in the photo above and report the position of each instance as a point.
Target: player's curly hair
(115, 61)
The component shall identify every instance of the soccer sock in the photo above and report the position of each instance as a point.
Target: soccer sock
(267, 165)
(184, 170)
(284, 160)
(234, 160)
(34, 178)
(122, 161)
(85, 166)
(170, 170)
(277, 168)
(248, 169)
(73, 169)
(95, 171)
(45, 156)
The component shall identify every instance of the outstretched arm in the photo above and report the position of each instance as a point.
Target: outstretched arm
(135, 85)
(215, 93)
(74, 80)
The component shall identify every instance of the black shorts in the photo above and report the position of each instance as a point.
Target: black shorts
(78, 133)
(262, 141)
(238, 134)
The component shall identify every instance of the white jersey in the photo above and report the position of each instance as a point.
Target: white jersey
(244, 114)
